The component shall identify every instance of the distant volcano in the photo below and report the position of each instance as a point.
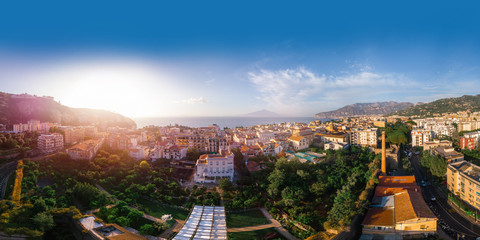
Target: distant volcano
(262, 113)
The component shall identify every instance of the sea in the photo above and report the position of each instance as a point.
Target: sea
(222, 122)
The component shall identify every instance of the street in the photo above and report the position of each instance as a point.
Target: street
(450, 221)
(5, 171)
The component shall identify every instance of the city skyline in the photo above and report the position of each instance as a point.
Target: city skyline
(215, 60)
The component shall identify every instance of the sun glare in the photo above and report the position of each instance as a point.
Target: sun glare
(117, 87)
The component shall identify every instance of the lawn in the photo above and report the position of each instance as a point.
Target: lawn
(158, 210)
(246, 219)
(259, 234)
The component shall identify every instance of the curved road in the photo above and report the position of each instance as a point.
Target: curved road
(442, 209)
(5, 171)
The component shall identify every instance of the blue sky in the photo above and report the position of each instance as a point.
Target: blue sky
(222, 58)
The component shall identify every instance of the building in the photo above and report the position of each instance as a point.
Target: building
(216, 144)
(298, 142)
(50, 143)
(86, 149)
(334, 146)
(470, 140)
(448, 153)
(34, 126)
(198, 141)
(463, 180)
(429, 146)
(398, 208)
(421, 136)
(210, 168)
(364, 137)
(204, 222)
(74, 135)
(139, 152)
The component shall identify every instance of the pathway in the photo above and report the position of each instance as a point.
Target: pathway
(274, 223)
(251, 228)
(279, 226)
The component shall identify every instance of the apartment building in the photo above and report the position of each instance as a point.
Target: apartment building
(470, 140)
(86, 149)
(50, 143)
(216, 144)
(74, 135)
(421, 136)
(198, 141)
(463, 180)
(34, 126)
(364, 137)
(210, 168)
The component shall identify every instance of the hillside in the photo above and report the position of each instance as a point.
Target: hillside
(21, 108)
(445, 105)
(359, 109)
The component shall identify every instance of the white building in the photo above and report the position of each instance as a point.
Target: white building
(139, 152)
(364, 137)
(34, 126)
(421, 136)
(50, 143)
(210, 168)
(265, 135)
(298, 142)
(334, 146)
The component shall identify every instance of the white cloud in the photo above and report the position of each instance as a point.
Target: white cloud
(192, 100)
(299, 90)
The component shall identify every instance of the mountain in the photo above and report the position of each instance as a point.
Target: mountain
(20, 108)
(261, 113)
(440, 106)
(358, 109)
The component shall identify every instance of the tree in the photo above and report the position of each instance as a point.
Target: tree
(43, 221)
(225, 184)
(147, 229)
(192, 154)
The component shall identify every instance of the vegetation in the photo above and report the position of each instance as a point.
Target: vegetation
(398, 133)
(127, 216)
(34, 213)
(13, 110)
(407, 166)
(254, 235)
(246, 218)
(441, 106)
(436, 165)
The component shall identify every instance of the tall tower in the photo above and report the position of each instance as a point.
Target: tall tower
(384, 156)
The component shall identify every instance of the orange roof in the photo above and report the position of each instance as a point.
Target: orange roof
(379, 217)
(419, 205)
(410, 205)
(295, 138)
(396, 181)
(382, 191)
(403, 207)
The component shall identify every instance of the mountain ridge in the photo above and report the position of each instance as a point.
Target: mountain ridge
(20, 108)
(440, 106)
(359, 109)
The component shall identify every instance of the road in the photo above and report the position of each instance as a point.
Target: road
(9, 168)
(446, 214)
(5, 171)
